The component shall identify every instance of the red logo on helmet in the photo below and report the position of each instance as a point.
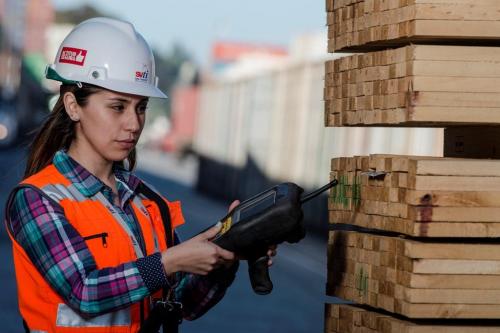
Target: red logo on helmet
(71, 55)
(142, 75)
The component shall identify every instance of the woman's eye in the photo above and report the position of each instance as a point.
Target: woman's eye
(118, 107)
(142, 109)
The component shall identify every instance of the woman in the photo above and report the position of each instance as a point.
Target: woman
(93, 245)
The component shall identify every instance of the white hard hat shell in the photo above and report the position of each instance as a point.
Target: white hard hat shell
(108, 53)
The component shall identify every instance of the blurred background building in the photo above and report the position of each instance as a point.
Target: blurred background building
(260, 121)
(23, 41)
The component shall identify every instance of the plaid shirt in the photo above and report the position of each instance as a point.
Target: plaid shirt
(60, 254)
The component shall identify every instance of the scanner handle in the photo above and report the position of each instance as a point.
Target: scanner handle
(258, 271)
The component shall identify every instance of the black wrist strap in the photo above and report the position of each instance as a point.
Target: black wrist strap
(164, 211)
(171, 314)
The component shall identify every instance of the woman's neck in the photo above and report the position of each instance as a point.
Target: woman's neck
(95, 164)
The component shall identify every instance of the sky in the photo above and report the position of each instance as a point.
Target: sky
(195, 24)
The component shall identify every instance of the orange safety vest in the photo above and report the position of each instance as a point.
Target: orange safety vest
(40, 306)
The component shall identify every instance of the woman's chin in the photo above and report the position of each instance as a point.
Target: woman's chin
(118, 156)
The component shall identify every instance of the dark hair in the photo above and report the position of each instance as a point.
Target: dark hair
(58, 131)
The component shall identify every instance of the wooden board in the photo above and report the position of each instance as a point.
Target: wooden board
(418, 196)
(414, 86)
(364, 25)
(413, 278)
(343, 318)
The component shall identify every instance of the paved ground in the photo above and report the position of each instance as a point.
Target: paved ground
(299, 273)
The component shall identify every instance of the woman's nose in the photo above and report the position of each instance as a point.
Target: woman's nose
(133, 121)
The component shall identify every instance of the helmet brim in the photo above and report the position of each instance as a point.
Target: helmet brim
(113, 85)
(130, 88)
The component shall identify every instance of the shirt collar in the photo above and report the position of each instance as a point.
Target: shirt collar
(87, 183)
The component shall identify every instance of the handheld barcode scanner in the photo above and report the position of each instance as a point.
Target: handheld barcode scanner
(270, 217)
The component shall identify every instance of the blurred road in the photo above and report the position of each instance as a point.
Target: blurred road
(299, 273)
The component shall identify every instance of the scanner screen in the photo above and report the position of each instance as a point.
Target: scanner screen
(258, 206)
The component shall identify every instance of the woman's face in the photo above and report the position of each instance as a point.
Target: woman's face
(110, 124)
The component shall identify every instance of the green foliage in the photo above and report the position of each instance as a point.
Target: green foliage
(168, 65)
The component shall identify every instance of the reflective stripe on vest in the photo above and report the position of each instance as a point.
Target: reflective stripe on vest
(59, 192)
(138, 202)
(135, 243)
(66, 317)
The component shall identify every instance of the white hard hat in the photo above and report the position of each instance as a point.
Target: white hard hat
(108, 53)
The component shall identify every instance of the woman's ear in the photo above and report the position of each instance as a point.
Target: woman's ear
(71, 106)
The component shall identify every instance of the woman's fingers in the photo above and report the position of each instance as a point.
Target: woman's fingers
(225, 254)
(210, 233)
(233, 204)
(197, 255)
(271, 252)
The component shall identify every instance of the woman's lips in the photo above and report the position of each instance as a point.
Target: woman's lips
(126, 144)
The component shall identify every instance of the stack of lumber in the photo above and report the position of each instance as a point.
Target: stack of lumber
(417, 85)
(415, 279)
(347, 318)
(361, 25)
(426, 251)
(417, 196)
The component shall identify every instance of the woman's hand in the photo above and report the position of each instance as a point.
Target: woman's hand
(271, 252)
(197, 255)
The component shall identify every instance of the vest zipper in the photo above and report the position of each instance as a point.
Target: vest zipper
(101, 235)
